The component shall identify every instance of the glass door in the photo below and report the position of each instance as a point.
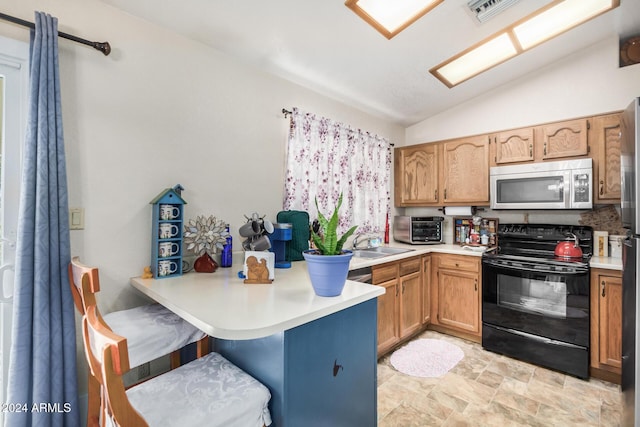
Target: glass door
(13, 106)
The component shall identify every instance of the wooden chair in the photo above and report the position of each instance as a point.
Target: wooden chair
(152, 331)
(210, 391)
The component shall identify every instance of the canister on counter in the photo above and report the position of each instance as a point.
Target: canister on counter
(616, 245)
(601, 243)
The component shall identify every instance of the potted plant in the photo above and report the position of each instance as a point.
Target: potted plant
(328, 264)
(204, 236)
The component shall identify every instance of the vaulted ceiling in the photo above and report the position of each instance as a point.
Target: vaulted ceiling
(323, 45)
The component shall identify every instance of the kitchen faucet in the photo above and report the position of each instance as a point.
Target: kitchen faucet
(372, 241)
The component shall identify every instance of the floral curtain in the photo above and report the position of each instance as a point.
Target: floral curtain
(326, 158)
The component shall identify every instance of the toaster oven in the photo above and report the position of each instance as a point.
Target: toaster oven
(418, 230)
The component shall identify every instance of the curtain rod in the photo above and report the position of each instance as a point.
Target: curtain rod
(287, 113)
(103, 47)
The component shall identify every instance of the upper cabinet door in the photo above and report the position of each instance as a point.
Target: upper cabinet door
(604, 136)
(466, 170)
(416, 175)
(565, 139)
(514, 146)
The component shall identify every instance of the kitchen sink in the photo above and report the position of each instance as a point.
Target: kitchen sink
(379, 252)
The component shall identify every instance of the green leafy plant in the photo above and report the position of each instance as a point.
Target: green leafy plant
(326, 241)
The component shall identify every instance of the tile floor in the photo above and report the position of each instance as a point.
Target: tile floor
(487, 389)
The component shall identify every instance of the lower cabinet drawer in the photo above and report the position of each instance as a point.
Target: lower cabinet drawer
(384, 273)
(459, 262)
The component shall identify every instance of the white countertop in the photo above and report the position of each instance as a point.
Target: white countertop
(224, 307)
(606, 263)
(596, 262)
(415, 250)
(221, 305)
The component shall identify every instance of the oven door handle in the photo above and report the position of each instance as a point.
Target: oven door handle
(565, 271)
(537, 338)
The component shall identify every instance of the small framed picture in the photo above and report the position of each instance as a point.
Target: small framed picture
(259, 266)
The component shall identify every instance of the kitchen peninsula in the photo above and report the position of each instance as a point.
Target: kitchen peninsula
(316, 355)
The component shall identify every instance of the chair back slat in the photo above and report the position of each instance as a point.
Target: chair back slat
(108, 360)
(78, 273)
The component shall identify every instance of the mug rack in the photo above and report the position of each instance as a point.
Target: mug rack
(167, 233)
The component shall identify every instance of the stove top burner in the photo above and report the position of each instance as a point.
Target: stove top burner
(538, 241)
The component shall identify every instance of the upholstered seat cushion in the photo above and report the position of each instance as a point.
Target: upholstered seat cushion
(209, 391)
(152, 331)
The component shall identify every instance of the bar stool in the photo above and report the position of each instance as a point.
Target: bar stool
(209, 391)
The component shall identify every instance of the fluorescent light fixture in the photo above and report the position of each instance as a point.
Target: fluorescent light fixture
(476, 59)
(390, 17)
(558, 18)
(544, 24)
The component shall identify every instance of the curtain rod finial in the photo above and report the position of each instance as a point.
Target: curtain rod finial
(103, 47)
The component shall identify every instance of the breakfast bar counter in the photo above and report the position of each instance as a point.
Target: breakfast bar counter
(221, 305)
(317, 355)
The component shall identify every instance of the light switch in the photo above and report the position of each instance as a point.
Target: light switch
(76, 218)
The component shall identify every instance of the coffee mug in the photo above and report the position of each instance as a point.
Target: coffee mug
(166, 268)
(484, 239)
(169, 212)
(167, 249)
(262, 243)
(168, 231)
(250, 228)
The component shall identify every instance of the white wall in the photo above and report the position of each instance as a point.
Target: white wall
(162, 110)
(589, 82)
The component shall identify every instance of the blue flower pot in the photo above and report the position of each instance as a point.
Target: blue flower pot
(328, 273)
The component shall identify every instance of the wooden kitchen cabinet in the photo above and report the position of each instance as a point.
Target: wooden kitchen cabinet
(466, 171)
(400, 308)
(410, 289)
(551, 141)
(386, 275)
(426, 289)
(605, 136)
(514, 146)
(564, 139)
(606, 324)
(416, 171)
(456, 295)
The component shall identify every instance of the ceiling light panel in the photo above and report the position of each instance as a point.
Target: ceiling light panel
(557, 19)
(476, 60)
(391, 17)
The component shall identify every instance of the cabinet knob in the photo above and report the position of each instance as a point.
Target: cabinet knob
(602, 288)
(445, 194)
(531, 150)
(396, 290)
(476, 284)
(601, 187)
(435, 195)
(403, 288)
(544, 151)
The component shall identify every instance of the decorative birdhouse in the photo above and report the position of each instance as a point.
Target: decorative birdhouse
(166, 232)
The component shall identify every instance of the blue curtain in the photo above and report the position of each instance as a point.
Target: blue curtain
(42, 368)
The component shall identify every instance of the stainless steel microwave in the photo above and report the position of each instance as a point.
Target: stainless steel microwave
(564, 184)
(418, 230)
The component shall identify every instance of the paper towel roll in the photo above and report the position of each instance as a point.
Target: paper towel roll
(458, 210)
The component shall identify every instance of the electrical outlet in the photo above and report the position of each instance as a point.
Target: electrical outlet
(144, 370)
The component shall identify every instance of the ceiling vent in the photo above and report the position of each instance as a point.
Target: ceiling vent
(484, 10)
